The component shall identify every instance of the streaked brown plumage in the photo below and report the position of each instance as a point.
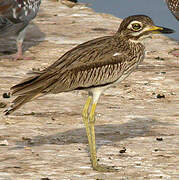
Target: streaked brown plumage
(93, 66)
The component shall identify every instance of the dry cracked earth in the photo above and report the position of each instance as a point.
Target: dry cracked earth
(137, 123)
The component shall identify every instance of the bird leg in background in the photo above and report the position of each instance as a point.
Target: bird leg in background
(20, 39)
(19, 54)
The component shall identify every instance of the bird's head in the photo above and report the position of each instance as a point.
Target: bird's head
(137, 26)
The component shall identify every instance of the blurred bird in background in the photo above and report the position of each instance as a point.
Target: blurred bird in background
(173, 5)
(15, 16)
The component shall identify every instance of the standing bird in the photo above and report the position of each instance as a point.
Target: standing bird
(173, 5)
(15, 16)
(92, 66)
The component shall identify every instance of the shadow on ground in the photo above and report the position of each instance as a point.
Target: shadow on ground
(105, 134)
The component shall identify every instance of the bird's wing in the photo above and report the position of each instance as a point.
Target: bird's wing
(94, 74)
(77, 55)
(101, 72)
(97, 62)
(85, 52)
(18, 11)
(79, 76)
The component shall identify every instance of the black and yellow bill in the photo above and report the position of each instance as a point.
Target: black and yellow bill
(163, 30)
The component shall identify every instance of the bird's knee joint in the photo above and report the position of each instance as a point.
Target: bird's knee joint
(85, 114)
(91, 119)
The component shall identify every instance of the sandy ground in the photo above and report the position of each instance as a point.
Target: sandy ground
(46, 138)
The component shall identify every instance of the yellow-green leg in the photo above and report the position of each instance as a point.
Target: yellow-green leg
(85, 120)
(93, 140)
(94, 161)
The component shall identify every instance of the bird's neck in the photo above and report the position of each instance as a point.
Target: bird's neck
(130, 46)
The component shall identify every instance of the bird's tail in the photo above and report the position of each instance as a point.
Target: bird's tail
(31, 88)
(25, 92)
(18, 102)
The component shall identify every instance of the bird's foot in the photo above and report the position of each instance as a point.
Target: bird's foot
(104, 168)
(16, 57)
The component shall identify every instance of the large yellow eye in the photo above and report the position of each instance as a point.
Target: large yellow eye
(136, 26)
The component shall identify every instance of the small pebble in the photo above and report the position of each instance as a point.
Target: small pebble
(3, 105)
(159, 96)
(26, 138)
(17, 167)
(127, 85)
(6, 95)
(161, 72)
(4, 143)
(122, 150)
(52, 118)
(159, 58)
(159, 139)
